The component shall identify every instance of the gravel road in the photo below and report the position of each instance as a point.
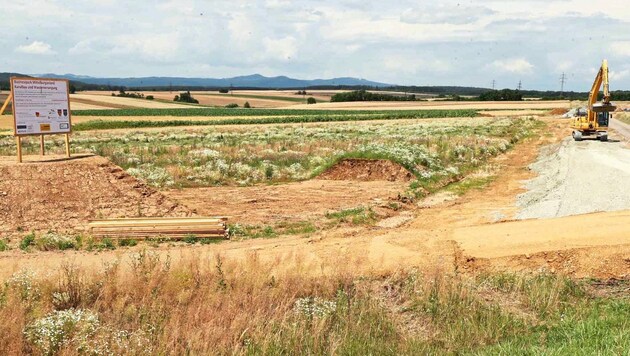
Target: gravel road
(578, 178)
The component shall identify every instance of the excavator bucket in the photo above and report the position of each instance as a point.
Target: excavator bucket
(603, 107)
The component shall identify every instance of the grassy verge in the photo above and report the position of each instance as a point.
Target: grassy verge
(151, 304)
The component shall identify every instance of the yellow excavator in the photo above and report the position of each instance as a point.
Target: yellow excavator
(595, 122)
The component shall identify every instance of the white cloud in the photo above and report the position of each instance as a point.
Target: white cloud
(452, 14)
(407, 64)
(564, 66)
(621, 48)
(619, 75)
(36, 47)
(281, 48)
(514, 65)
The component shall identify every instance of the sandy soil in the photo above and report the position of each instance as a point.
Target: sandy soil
(294, 202)
(367, 170)
(59, 194)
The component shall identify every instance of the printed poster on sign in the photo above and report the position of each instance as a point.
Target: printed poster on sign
(40, 106)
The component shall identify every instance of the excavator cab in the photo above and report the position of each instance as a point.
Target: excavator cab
(602, 119)
(603, 112)
(598, 114)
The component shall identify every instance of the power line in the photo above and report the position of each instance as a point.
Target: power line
(519, 85)
(494, 82)
(563, 79)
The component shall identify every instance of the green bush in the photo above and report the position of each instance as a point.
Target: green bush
(224, 91)
(246, 105)
(502, 95)
(362, 95)
(52, 241)
(311, 100)
(150, 97)
(27, 241)
(185, 98)
(231, 105)
(127, 242)
(4, 245)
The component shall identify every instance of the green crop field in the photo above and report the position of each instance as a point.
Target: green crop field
(265, 112)
(103, 124)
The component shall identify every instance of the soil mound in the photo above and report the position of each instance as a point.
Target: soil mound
(558, 111)
(62, 195)
(367, 170)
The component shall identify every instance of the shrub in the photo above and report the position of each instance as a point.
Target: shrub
(231, 106)
(185, 98)
(246, 105)
(362, 95)
(224, 91)
(58, 328)
(311, 100)
(150, 97)
(4, 245)
(27, 241)
(502, 95)
(124, 94)
(53, 241)
(127, 242)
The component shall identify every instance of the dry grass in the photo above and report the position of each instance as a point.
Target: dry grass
(148, 305)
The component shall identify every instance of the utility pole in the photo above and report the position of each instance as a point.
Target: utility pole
(520, 85)
(563, 79)
(494, 82)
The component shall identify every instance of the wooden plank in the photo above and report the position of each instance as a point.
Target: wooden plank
(173, 227)
(185, 218)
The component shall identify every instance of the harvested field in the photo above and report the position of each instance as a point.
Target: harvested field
(114, 101)
(367, 170)
(452, 105)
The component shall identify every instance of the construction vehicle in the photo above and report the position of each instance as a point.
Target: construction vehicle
(598, 114)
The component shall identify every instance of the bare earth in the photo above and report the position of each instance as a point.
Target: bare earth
(293, 202)
(470, 234)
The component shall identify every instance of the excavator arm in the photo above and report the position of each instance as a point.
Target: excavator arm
(598, 113)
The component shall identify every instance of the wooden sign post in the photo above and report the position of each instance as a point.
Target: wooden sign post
(40, 107)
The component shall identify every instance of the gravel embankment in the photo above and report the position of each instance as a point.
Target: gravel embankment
(577, 178)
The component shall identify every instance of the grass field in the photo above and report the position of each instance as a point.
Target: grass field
(436, 151)
(153, 305)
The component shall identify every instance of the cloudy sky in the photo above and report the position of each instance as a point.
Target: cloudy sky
(405, 42)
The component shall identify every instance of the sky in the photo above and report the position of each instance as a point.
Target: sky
(465, 43)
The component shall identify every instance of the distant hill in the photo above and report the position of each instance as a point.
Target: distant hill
(249, 81)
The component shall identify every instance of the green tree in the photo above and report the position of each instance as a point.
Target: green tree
(311, 100)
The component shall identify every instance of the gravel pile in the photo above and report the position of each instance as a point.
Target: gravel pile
(577, 178)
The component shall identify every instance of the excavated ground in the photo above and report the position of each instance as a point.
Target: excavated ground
(59, 194)
(367, 170)
(455, 235)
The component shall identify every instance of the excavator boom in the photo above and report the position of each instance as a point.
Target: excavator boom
(598, 113)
